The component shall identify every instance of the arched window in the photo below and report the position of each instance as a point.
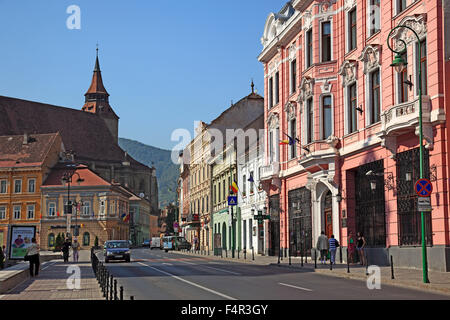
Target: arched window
(86, 239)
(51, 240)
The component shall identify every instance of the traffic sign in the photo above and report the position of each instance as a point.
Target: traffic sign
(424, 204)
(232, 200)
(423, 188)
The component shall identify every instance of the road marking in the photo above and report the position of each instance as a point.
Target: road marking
(48, 266)
(168, 264)
(202, 266)
(300, 288)
(189, 282)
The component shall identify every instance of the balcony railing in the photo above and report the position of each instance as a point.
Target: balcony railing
(270, 171)
(405, 116)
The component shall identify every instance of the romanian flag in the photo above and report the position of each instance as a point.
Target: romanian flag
(125, 217)
(284, 142)
(234, 187)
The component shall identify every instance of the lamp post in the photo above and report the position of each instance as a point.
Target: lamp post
(67, 178)
(399, 64)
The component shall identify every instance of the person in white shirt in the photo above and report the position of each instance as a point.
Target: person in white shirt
(33, 254)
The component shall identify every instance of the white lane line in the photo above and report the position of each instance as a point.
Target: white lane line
(168, 264)
(202, 266)
(48, 266)
(300, 288)
(189, 282)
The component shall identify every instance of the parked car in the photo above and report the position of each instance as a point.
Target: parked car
(155, 243)
(175, 243)
(117, 250)
(146, 243)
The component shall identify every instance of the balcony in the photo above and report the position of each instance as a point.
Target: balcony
(403, 118)
(270, 171)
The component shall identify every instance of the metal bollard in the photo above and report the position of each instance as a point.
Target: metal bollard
(289, 253)
(226, 253)
(121, 293)
(221, 253)
(348, 263)
(301, 259)
(245, 254)
(238, 254)
(107, 286)
(392, 268)
(253, 253)
(208, 251)
(279, 253)
(315, 259)
(340, 253)
(115, 289)
(111, 286)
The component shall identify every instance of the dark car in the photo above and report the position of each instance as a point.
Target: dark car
(146, 243)
(175, 243)
(117, 250)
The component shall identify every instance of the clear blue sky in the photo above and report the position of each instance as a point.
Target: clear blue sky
(164, 63)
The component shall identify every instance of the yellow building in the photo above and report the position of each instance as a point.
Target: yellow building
(25, 162)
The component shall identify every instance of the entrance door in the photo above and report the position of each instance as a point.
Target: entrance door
(328, 222)
(261, 238)
(328, 215)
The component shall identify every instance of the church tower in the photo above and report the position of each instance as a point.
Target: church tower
(97, 101)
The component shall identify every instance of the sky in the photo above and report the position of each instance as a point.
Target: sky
(164, 63)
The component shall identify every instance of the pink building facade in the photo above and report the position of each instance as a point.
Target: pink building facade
(329, 84)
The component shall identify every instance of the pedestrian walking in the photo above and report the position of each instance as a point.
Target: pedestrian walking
(5, 255)
(360, 245)
(75, 250)
(195, 243)
(333, 245)
(351, 247)
(65, 250)
(322, 246)
(33, 256)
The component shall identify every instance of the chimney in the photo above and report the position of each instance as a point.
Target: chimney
(25, 138)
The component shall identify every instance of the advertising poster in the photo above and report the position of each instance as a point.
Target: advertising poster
(21, 240)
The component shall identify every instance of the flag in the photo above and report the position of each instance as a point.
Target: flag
(57, 213)
(251, 179)
(127, 218)
(291, 140)
(284, 142)
(122, 216)
(234, 187)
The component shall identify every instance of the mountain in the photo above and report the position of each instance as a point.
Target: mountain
(166, 171)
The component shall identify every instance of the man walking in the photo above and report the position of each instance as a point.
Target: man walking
(2, 257)
(75, 248)
(333, 244)
(65, 249)
(322, 246)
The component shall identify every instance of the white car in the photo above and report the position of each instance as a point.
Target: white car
(155, 243)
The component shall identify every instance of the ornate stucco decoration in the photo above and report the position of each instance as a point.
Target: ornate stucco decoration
(290, 110)
(307, 20)
(348, 4)
(348, 72)
(326, 87)
(326, 6)
(273, 121)
(292, 52)
(306, 90)
(417, 22)
(333, 142)
(370, 56)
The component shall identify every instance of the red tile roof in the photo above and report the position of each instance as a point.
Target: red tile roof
(90, 178)
(15, 153)
(83, 132)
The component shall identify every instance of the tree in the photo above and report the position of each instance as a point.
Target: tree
(58, 242)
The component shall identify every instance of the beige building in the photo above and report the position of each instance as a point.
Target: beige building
(99, 208)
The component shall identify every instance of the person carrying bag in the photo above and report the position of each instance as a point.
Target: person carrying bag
(32, 255)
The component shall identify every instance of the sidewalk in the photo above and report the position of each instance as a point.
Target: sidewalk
(403, 277)
(51, 283)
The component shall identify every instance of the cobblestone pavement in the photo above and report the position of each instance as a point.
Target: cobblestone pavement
(52, 283)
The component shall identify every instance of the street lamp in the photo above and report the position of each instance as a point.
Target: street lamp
(67, 178)
(399, 64)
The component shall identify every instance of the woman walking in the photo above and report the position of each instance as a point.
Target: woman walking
(33, 255)
(360, 245)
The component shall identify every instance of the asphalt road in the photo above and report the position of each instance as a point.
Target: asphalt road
(157, 275)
